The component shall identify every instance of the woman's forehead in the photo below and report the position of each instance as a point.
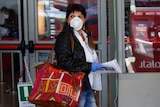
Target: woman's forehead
(76, 12)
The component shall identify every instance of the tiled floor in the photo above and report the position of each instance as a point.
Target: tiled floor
(8, 89)
(8, 97)
(8, 83)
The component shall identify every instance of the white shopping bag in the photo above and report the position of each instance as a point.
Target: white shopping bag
(24, 89)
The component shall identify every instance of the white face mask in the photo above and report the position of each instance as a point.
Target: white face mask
(76, 23)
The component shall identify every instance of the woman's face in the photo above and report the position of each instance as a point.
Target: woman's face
(76, 14)
(6, 14)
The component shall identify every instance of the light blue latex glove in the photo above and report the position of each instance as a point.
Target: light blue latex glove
(96, 66)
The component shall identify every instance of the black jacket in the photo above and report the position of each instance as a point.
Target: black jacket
(73, 61)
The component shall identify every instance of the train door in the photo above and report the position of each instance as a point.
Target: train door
(10, 38)
(39, 21)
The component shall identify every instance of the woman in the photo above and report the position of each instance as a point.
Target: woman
(83, 57)
(10, 22)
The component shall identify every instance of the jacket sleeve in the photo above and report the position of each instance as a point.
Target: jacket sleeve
(65, 57)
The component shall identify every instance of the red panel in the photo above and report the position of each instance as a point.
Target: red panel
(8, 47)
(82, 1)
(146, 36)
(43, 47)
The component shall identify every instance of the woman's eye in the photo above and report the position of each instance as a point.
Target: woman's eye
(72, 16)
(80, 17)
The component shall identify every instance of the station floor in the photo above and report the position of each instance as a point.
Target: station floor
(8, 97)
(8, 90)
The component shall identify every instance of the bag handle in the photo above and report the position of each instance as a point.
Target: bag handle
(72, 47)
(76, 87)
